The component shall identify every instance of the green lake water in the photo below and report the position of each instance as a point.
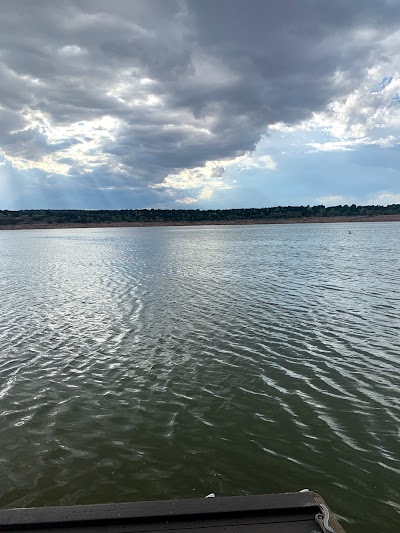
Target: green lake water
(170, 362)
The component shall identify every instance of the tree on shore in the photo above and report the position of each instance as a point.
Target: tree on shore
(169, 216)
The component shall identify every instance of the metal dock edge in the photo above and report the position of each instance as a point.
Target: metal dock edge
(296, 512)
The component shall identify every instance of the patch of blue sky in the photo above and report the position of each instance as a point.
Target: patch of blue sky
(387, 80)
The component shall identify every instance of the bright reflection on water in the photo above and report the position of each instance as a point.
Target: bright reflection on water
(151, 363)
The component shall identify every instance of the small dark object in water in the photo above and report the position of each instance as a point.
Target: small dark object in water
(295, 512)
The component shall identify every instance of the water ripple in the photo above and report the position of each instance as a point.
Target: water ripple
(149, 363)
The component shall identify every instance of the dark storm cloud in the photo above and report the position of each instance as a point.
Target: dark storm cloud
(220, 71)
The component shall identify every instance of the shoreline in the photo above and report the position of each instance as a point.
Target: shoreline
(244, 222)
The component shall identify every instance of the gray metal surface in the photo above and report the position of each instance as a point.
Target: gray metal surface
(274, 513)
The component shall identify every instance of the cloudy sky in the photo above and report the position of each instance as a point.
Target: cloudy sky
(199, 103)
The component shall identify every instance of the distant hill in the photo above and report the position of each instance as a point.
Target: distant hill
(49, 217)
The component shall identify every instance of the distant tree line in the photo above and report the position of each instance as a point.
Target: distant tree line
(82, 217)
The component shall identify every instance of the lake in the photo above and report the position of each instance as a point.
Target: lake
(171, 362)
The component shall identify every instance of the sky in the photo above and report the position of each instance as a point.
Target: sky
(199, 104)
